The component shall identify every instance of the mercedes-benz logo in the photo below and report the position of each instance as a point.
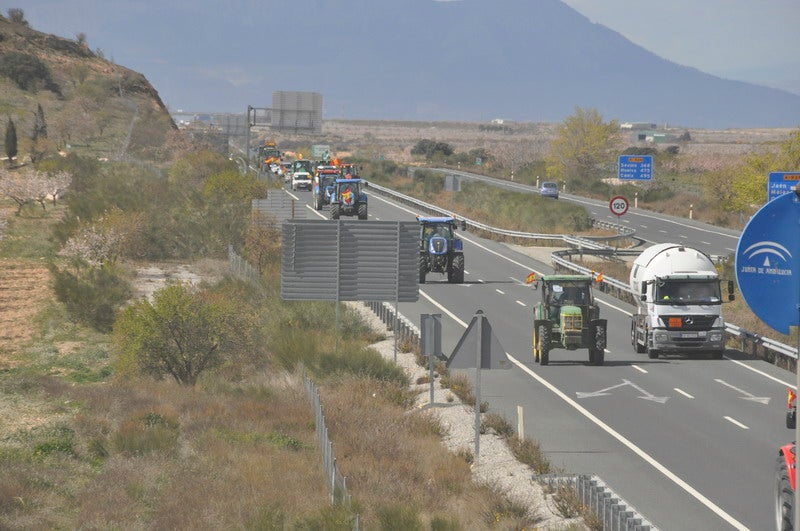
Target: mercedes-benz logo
(688, 320)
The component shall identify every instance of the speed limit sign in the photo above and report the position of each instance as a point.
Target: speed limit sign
(618, 205)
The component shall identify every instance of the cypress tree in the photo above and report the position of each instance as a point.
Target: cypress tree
(39, 125)
(11, 140)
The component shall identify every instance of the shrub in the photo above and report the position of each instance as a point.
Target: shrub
(530, 452)
(28, 72)
(148, 433)
(91, 295)
(399, 518)
(460, 385)
(498, 424)
(566, 500)
(362, 362)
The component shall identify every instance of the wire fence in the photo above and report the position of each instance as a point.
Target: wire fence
(335, 481)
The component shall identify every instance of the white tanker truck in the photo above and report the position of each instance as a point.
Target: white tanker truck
(679, 304)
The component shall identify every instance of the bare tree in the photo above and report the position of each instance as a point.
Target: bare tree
(17, 16)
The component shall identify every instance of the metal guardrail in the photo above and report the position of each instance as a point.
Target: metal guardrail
(760, 346)
(621, 231)
(614, 512)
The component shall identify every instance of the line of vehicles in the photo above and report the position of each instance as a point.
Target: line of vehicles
(677, 289)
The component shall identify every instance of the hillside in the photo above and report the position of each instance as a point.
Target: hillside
(88, 101)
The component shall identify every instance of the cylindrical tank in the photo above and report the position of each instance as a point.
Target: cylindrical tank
(669, 259)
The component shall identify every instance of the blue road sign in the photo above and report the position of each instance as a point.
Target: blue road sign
(780, 182)
(768, 263)
(635, 167)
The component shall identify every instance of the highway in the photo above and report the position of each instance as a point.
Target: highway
(690, 443)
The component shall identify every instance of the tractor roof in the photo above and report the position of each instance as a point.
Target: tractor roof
(437, 220)
(348, 180)
(566, 278)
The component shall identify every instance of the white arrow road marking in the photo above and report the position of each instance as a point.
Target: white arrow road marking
(603, 392)
(761, 399)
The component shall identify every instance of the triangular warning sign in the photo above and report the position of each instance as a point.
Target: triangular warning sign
(492, 353)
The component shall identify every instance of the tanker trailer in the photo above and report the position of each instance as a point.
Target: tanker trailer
(677, 291)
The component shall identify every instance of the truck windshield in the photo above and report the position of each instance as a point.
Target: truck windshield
(687, 292)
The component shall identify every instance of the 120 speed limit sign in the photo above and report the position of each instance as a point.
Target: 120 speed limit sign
(618, 205)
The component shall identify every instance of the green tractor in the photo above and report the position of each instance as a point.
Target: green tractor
(567, 317)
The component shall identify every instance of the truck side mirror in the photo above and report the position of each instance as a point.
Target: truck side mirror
(730, 291)
(464, 225)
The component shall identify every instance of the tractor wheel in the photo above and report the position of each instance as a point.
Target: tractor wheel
(362, 211)
(535, 346)
(335, 211)
(596, 357)
(640, 349)
(455, 275)
(784, 497)
(544, 345)
(423, 268)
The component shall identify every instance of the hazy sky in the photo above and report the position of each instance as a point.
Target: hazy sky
(757, 41)
(749, 40)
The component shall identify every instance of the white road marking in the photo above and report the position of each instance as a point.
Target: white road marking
(684, 237)
(608, 429)
(684, 393)
(736, 422)
(643, 226)
(706, 243)
(501, 292)
(521, 303)
(315, 212)
(639, 369)
(660, 230)
(598, 300)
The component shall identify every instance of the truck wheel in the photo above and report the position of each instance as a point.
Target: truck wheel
(784, 497)
(423, 268)
(544, 345)
(455, 275)
(652, 354)
(335, 211)
(362, 211)
(717, 354)
(636, 346)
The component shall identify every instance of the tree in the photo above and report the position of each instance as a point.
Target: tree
(180, 334)
(39, 124)
(17, 16)
(11, 141)
(584, 146)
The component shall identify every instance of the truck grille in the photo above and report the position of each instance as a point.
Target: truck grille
(688, 322)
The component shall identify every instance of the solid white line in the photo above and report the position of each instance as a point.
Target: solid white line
(762, 373)
(736, 422)
(292, 195)
(521, 303)
(639, 369)
(684, 393)
(315, 212)
(500, 291)
(598, 300)
(608, 429)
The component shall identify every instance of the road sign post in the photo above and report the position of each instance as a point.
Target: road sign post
(767, 269)
(635, 167)
(781, 182)
(618, 205)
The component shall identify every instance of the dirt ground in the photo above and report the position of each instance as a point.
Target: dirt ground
(24, 288)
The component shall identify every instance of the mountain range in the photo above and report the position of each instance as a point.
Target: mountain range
(472, 60)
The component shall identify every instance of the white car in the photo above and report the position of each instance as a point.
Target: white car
(301, 179)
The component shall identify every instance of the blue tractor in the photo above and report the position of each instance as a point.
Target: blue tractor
(439, 250)
(348, 199)
(323, 187)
